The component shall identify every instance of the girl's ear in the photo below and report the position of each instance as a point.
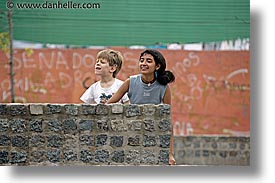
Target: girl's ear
(157, 67)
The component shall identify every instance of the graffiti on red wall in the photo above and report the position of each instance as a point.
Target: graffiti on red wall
(211, 94)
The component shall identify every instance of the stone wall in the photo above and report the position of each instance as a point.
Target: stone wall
(212, 150)
(80, 134)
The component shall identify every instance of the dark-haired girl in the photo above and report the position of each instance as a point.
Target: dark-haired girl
(150, 86)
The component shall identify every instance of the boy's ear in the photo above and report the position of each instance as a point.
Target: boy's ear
(113, 68)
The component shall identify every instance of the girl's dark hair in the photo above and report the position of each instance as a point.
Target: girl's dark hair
(163, 76)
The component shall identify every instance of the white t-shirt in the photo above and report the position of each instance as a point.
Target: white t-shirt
(96, 94)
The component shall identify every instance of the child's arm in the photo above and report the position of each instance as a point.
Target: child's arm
(172, 160)
(167, 100)
(167, 96)
(120, 92)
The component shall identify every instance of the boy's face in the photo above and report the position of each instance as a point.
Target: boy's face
(103, 68)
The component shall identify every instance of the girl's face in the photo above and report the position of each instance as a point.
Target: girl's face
(147, 64)
(103, 68)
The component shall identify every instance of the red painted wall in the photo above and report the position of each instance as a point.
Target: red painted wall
(211, 94)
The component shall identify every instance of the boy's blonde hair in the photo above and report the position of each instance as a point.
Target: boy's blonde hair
(113, 57)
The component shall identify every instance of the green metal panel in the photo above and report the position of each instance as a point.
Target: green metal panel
(128, 22)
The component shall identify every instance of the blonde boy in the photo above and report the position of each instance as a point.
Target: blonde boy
(108, 64)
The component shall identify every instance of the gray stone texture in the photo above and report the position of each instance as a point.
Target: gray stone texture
(131, 135)
(19, 141)
(18, 125)
(36, 125)
(54, 125)
(4, 125)
(117, 109)
(212, 150)
(53, 108)
(86, 125)
(71, 109)
(36, 109)
(88, 109)
(87, 140)
(3, 110)
(117, 156)
(70, 126)
(18, 110)
(132, 110)
(4, 140)
(18, 157)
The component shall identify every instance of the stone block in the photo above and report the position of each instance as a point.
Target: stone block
(164, 141)
(70, 155)
(54, 155)
(135, 125)
(88, 109)
(70, 126)
(37, 141)
(148, 157)
(116, 141)
(38, 156)
(118, 156)
(71, 141)
(117, 108)
(71, 109)
(54, 125)
(36, 109)
(36, 125)
(132, 110)
(149, 141)
(133, 157)
(102, 109)
(149, 125)
(19, 141)
(18, 125)
(18, 157)
(4, 157)
(55, 141)
(53, 109)
(87, 140)
(4, 140)
(101, 140)
(102, 125)
(164, 109)
(149, 110)
(118, 125)
(164, 156)
(86, 156)
(18, 110)
(86, 125)
(4, 125)
(3, 109)
(164, 125)
(134, 141)
(101, 156)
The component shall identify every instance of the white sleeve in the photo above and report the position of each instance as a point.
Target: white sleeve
(87, 96)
